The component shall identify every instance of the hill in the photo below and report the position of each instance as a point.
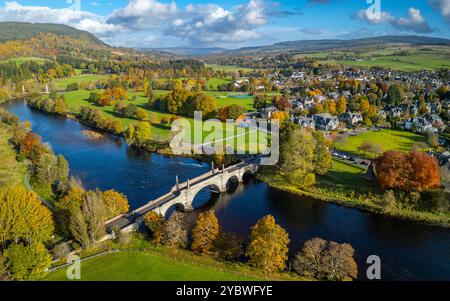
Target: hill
(10, 31)
(335, 44)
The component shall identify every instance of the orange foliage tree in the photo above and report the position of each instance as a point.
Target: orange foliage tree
(415, 171)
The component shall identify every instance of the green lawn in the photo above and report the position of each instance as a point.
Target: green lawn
(76, 99)
(347, 174)
(61, 83)
(144, 266)
(388, 139)
(11, 171)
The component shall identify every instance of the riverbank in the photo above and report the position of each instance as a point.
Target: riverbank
(139, 260)
(361, 202)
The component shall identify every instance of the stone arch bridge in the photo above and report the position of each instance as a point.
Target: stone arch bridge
(183, 195)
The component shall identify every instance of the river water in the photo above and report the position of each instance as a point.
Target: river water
(408, 251)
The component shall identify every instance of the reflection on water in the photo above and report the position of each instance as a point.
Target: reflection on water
(407, 250)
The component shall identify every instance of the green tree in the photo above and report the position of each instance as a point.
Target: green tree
(323, 161)
(297, 158)
(205, 232)
(28, 262)
(268, 246)
(87, 223)
(394, 95)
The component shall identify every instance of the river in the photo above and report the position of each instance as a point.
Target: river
(408, 251)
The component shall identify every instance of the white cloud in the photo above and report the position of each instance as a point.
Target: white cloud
(443, 6)
(13, 11)
(210, 23)
(414, 22)
(141, 14)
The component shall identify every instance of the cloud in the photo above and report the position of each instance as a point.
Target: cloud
(210, 23)
(13, 11)
(414, 22)
(141, 14)
(443, 6)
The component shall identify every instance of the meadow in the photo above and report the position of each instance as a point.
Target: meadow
(227, 68)
(12, 172)
(143, 266)
(405, 58)
(61, 83)
(77, 99)
(387, 139)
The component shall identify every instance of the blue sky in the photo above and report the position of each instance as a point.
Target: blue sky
(235, 23)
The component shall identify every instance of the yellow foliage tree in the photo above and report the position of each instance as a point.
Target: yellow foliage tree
(268, 246)
(116, 203)
(23, 217)
(205, 232)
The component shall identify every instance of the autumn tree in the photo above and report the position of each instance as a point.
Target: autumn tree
(23, 217)
(415, 171)
(175, 233)
(205, 232)
(268, 246)
(325, 260)
(341, 105)
(28, 262)
(155, 224)
(139, 135)
(281, 103)
(115, 202)
(297, 158)
(28, 143)
(141, 114)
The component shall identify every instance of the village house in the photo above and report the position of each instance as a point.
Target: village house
(351, 118)
(305, 122)
(419, 124)
(326, 122)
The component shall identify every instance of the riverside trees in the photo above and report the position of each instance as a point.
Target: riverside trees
(303, 155)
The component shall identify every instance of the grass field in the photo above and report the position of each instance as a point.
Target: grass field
(143, 266)
(11, 171)
(76, 99)
(228, 68)
(61, 83)
(413, 58)
(346, 174)
(388, 139)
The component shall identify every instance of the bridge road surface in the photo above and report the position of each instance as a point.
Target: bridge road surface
(133, 217)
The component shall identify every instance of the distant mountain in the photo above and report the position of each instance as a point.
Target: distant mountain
(25, 31)
(321, 45)
(187, 51)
